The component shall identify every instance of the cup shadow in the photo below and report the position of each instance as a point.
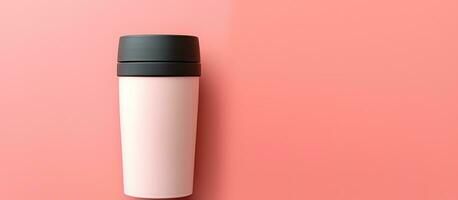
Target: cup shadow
(208, 143)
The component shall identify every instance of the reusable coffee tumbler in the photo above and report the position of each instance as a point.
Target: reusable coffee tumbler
(158, 98)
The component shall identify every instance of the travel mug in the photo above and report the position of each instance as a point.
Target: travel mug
(158, 98)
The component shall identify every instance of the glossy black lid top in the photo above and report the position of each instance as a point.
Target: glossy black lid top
(157, 48)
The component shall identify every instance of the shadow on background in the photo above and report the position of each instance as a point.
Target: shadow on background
(206, 173)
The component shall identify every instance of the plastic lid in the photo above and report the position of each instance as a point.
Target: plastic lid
(158, 55)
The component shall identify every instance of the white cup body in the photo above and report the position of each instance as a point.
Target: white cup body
(158, 117)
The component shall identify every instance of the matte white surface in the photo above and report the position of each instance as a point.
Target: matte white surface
(158, 132)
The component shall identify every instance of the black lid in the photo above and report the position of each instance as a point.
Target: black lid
(158, 55)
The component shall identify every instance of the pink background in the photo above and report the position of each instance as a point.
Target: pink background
(330, 99)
